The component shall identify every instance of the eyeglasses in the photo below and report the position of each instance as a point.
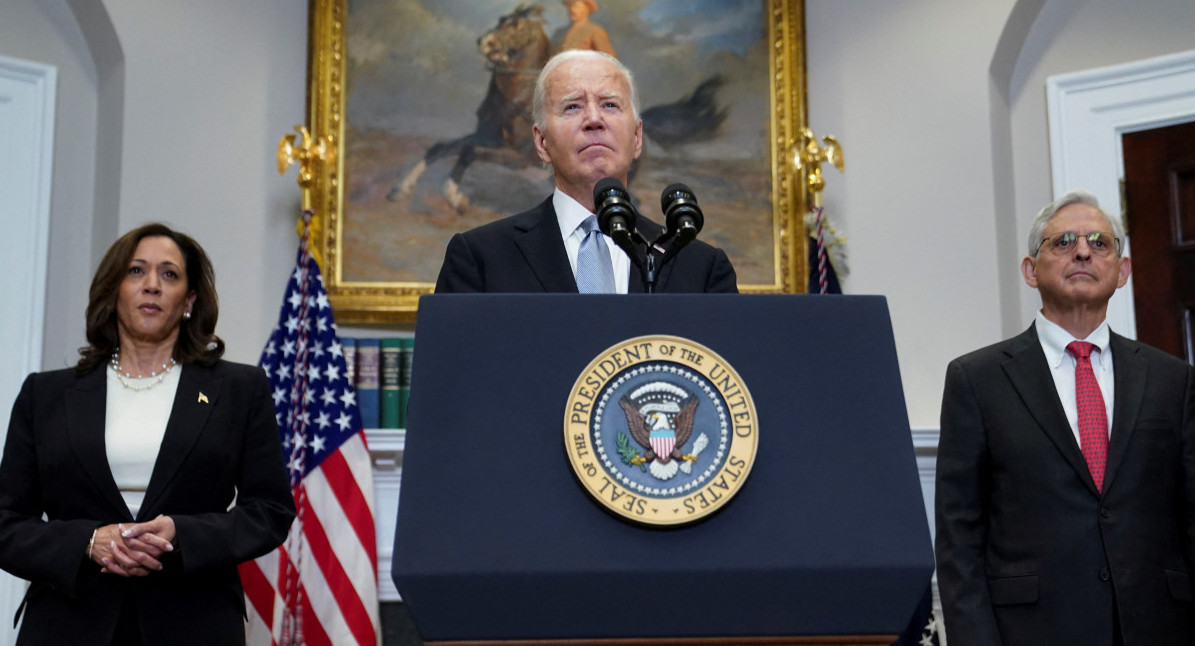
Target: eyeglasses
(1100, 244)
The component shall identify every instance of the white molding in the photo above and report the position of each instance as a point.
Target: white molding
(27, 95)
(1089, 111)
(27, 107)
(386, 448)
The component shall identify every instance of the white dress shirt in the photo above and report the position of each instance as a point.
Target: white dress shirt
(569, 215)
(1054, 340)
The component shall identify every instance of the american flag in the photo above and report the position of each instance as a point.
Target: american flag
(320, 586)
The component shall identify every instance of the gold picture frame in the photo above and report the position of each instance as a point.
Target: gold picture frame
(372, 300)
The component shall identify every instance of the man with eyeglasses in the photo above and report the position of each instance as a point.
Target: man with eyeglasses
(1065, 498)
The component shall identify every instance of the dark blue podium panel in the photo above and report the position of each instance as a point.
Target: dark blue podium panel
(496, 539)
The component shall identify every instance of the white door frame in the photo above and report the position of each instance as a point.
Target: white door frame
(27, 108)
(1088, 113)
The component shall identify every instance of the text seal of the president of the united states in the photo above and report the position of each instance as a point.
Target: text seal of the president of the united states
(660, 430)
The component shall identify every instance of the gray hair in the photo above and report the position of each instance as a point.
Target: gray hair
(539, 102)
(1077, 196)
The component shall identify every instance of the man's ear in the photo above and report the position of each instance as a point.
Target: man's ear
(1126, 268)
(541, 144)
(638, 139)
(1029, 271)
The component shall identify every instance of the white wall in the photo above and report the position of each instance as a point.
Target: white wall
(45, 31)
(904, 87)
(1095, 33)
(940, 107)
(210, 88)
(178, 108)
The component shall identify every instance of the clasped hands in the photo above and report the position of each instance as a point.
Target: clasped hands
(133, 549)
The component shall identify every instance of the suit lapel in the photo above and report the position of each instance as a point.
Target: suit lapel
(543, 250)
(86, 405)
(198, 390)
(1029, 373)
(1129, 368)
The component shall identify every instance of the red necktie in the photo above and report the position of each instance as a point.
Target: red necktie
(1093, 417)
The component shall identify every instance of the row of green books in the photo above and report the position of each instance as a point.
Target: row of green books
(380, 370)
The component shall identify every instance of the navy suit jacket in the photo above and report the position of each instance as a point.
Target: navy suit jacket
(525, 253)
(221, 444)
(1028, 551)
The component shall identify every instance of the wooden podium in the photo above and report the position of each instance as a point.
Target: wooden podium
(497, 542)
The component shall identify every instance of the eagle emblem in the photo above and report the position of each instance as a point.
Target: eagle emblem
(660, 418)
(649, 431)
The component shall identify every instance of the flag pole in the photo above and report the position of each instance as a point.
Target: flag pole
(321, 584)
(807, 158)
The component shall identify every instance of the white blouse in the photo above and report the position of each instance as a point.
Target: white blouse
(134, 425)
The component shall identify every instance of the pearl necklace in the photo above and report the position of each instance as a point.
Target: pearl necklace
(125, 377)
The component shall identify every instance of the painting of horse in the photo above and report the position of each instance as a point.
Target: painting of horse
(438, 122)
(514, 52)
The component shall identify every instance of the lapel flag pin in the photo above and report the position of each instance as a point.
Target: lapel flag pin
(202, 398)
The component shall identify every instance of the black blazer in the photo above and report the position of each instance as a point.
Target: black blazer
(221, 443)
(1028, 551)
(525, 253)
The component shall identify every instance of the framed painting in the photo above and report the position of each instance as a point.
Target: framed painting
(405, 90)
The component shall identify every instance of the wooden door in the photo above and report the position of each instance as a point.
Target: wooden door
(1160, 207)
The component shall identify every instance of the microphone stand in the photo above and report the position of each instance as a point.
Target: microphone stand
(626, 240)
(655, 260)
(649, 274)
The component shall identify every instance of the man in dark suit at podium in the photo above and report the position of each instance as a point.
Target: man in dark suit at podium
(587, 127)
(1066, 466)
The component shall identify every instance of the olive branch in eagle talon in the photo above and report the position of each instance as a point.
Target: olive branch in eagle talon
(628, 453)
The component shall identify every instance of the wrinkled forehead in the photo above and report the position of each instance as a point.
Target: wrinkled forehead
(575, 79)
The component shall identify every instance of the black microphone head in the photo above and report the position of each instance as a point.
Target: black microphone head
(675, 192)
(681, 210)
(614, 210)
(608, 187)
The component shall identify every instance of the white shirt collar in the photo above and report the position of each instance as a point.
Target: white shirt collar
(1054, 339)
(569, 213)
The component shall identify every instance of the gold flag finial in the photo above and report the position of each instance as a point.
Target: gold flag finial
(808, 157)
(307, 151)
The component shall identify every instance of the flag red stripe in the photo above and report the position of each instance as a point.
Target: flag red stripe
(348, 492)
(351, 606)
(258, 590)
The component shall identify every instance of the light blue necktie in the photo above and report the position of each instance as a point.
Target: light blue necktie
(595, 273)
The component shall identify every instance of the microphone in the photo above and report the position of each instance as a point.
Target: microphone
(614, 210)
(682, 216)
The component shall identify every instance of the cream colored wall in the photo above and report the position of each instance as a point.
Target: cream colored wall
(44, 31)
(210, 88)
(197, 96)
(940, 107)
(904, 86)
(206, 90)
(1091, 34)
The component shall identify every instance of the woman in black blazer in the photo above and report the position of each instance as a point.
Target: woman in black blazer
(133, 484)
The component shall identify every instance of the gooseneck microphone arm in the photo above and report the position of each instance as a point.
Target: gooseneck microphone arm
(616, 215)
(616, 218)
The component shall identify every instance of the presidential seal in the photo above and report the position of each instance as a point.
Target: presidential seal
(660, 430)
